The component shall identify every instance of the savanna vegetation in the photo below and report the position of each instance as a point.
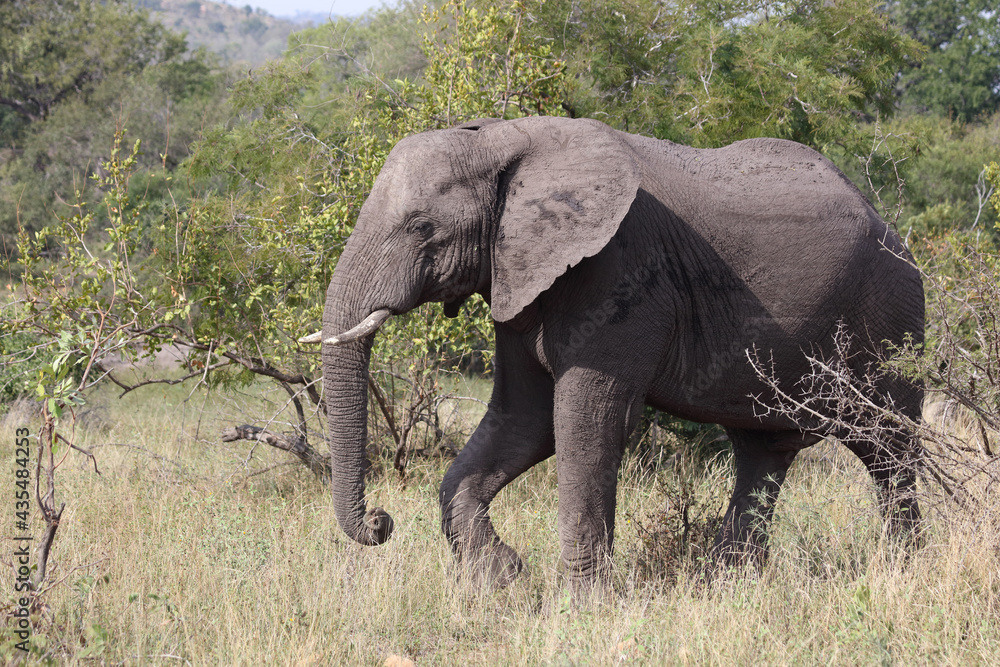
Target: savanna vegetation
(169, 225)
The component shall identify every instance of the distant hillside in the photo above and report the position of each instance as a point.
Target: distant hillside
(238, 34)
(312, 18)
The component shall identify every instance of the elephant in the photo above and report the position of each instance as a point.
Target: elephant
(619, 270)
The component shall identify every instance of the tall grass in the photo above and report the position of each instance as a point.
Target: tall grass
(176, 553)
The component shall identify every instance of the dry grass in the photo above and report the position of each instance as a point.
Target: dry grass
(185, 559)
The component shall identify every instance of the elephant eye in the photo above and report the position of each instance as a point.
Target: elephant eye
(421, 227)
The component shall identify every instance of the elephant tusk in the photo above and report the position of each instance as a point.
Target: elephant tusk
(367, 326)
(312, 339)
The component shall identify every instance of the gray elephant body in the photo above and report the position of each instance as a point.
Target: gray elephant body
(620, 270)
(760, 244)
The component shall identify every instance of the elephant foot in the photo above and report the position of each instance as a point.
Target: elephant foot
(592, 591)
(904, 530)
(588, 574)
(734, 558)
(903, 523)
(492, 567)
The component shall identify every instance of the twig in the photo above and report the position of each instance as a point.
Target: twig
(52, 585)
(386, 411)
(81, 450)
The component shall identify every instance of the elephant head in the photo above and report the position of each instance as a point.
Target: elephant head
(500, 208)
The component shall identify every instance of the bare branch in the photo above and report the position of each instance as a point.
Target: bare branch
(316, 462)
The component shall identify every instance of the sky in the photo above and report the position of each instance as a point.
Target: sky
(292, 7)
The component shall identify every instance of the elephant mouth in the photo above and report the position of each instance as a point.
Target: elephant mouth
(366, 327)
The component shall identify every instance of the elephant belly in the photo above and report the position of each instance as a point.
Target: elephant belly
(716, 383)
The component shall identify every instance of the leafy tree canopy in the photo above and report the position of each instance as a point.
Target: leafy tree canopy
(53, 49)
(960, 76)
(947, 184)
(71, 72)
(712, 73)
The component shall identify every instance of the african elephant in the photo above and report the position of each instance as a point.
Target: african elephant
(620, 270)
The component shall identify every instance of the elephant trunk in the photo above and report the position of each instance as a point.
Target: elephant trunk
(366, 288)
(345, 380)
(345, 387)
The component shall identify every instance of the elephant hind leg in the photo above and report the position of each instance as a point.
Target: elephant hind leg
(762, 460)
(893, 467)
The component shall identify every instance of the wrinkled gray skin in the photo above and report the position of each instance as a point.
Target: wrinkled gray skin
(620, 270)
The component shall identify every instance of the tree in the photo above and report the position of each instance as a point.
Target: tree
(809, 71)
(387, 42)
(54, 49)
(947, 186)
(960, 76)
(68, 72)
(620, 57)
(711, 73)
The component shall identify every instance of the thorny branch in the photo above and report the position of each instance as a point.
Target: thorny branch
(835, 399)
(882, 141)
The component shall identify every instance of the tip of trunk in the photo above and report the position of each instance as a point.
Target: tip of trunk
(376, 528)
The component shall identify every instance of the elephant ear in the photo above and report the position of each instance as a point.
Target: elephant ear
(563, 189)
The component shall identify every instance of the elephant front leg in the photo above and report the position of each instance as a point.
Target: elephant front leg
(500, 450)
(594, 414)
(515, 435)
